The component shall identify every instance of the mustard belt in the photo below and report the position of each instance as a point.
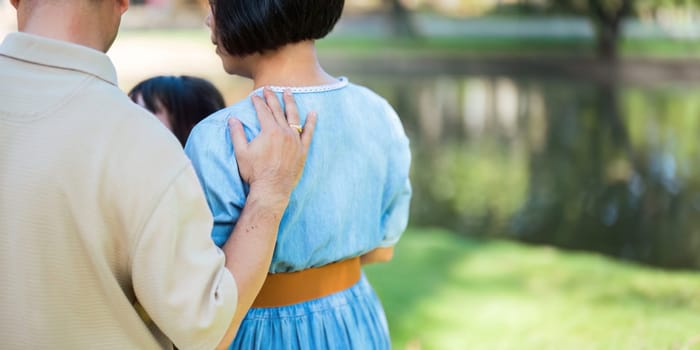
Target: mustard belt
(282, 289)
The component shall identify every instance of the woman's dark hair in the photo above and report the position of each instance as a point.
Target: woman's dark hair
(187, 100)
(245, 27)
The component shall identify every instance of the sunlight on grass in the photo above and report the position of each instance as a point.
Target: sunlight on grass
(444, 292)
(447, 45)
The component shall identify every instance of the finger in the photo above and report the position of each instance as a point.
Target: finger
(309, 128)
(263, 112)
(240, 143)
(274, 104)
(290, 108)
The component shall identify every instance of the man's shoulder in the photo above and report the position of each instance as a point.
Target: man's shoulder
(117, 123)
(110, 100)
(115, 109)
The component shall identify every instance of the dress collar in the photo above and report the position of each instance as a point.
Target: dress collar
(58, 54)
(341, 83)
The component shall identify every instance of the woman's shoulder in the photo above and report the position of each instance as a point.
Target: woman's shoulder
(365, 92)
(218, 121)
(372, 100)
(208, 134)
(369, 98)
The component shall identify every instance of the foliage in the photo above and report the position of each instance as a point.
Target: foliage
(606, 16)
(585, 7)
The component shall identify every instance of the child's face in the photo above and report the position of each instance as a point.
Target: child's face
(161, 113)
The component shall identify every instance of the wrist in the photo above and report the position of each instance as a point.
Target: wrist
(266, 195)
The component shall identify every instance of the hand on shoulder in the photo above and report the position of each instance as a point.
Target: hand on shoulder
(272, 163)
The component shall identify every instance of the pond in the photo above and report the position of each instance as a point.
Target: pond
(556, 152)
(576, 163)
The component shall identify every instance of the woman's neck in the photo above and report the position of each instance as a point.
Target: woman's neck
(291, 65)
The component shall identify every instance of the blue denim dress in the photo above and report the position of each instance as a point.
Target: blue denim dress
(352, 198)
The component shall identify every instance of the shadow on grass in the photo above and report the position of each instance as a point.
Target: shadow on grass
(421, 266)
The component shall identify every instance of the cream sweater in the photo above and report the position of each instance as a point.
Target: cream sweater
(99, 210)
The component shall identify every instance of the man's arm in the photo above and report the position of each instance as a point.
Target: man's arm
(272, 164)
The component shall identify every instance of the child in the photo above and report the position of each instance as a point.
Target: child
(351, 204)
(178, 102)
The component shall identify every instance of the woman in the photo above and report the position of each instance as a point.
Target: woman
(351, 204)
(179, 102)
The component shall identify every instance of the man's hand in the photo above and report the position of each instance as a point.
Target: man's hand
(272, 164)
(274, 161)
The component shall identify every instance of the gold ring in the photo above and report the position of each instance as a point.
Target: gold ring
(296, 126)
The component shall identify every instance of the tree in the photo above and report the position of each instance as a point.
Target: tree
(606, 17)
(400, 16)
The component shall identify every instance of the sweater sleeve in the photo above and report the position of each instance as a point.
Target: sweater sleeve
(210, 149)
(178, 273)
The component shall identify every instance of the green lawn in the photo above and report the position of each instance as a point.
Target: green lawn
(457, 45)
(514, 47)
(445, 292)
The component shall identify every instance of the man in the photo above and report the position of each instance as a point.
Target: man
(103, 224)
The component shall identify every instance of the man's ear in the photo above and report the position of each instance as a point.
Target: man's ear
(122, 4)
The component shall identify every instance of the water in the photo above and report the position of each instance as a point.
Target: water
(577, 163)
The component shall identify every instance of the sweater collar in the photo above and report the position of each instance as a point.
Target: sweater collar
(59, 54)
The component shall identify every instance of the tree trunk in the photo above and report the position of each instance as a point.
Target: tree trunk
(401, 22)
(608, 36)
(608, 23)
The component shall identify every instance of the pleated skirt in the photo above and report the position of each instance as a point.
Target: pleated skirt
(350, 319)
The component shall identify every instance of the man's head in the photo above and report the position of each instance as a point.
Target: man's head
(92, 23)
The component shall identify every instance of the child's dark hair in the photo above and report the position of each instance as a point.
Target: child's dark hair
(245, 27)
(186, 99)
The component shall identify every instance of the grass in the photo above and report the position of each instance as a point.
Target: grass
(472, 46)
(445, 292)
(456, 45)
(661, 48)
(515, 47)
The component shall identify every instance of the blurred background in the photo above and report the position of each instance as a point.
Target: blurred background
(556, 160)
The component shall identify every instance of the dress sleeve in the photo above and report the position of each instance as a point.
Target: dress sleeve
(178, 273)
(210, 149)
(397, 193)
